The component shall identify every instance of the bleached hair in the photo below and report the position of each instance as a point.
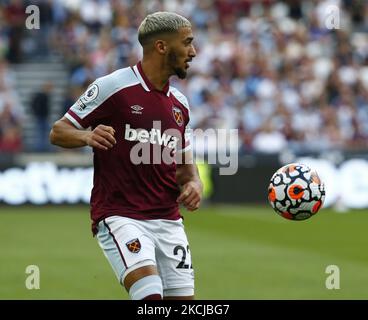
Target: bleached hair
(160, 22)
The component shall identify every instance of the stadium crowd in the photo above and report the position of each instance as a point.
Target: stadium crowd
(272, 69)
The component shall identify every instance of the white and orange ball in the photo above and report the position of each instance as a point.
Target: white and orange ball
(296, 192)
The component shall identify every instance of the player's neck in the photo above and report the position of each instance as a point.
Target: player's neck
(155, 72)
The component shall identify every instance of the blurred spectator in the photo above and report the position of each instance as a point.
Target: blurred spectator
(15, 16)
(40, 106)
(10, 131)
(270, 68)
(73, 93)
(96, 13)
(269, 139)
(10, 112)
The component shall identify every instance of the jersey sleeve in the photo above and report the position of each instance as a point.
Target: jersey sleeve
(92, 106)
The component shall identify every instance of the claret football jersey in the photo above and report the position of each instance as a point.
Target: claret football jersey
(137, 177)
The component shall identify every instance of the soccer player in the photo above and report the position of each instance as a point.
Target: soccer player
(143, 167)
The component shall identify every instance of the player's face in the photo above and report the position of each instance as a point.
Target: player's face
(181, 52)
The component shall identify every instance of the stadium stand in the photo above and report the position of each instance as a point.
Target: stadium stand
(272, 69)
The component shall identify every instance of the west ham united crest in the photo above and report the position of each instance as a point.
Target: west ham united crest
(134, 245)
(178, 116)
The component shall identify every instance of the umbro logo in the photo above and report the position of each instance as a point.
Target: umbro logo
(136, 109)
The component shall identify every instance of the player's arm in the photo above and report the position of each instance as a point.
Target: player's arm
(65, 134)
(187, 177)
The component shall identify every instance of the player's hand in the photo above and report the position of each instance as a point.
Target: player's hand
(102, 137)
(191, 195)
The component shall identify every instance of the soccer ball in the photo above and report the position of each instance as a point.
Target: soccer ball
(296, 192)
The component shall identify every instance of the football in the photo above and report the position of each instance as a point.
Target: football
(296, 192)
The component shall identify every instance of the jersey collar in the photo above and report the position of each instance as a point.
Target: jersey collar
(146, 84)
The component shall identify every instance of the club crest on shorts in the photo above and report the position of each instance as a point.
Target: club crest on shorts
(134, 245)
(178, 116)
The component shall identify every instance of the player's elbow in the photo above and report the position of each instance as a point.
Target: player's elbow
(53, 137)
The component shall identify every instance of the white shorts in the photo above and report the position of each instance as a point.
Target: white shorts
(129, 244)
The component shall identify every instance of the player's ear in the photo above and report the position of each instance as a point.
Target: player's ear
(161, 46)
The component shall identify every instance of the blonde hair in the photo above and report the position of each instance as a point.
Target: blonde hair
(160, 22)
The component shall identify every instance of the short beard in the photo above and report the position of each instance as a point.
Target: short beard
(181, 73)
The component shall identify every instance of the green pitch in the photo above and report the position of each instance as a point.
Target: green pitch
(238, 253)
